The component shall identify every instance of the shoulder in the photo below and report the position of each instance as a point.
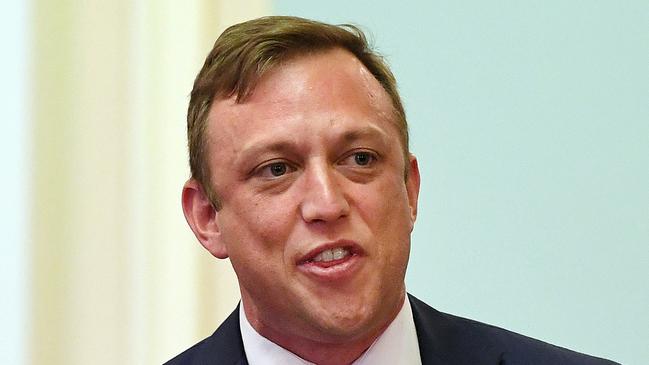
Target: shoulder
(189, 356)
(463, 341)
(224, 346)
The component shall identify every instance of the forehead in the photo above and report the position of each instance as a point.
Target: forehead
(323, 71)
(331, 84)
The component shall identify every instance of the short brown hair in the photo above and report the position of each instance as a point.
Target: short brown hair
(245, 51)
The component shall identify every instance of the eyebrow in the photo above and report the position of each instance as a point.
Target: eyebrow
(369, 131)
(257, 147)
(254, 148)
(260, 146)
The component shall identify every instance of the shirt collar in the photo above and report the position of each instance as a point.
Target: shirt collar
(396, 345)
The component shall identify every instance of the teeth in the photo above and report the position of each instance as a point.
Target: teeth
(330, 255)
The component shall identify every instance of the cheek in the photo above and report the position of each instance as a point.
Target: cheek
(386, 211)
(385, 203)
(256, 225)
(253, 245)
(257, 237)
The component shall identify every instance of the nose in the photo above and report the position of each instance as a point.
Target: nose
(324, 198)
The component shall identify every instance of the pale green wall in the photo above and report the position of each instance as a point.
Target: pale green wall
(14, 181)
(531, 123)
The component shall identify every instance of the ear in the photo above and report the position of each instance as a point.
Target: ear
(203, 218)
(412, 186)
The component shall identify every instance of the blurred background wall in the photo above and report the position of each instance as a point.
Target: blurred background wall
(103, 266)
(530, 120)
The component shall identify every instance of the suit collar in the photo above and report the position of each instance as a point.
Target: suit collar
(437, 336)
(225, 345)
(446, 339)
(424, 322)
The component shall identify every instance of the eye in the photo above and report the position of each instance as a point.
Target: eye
(363, 158)
(275, 169)
(360, 159)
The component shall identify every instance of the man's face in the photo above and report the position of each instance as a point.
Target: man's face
(316, 216)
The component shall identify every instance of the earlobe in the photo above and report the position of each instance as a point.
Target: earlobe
(412, 185)
(203, 218)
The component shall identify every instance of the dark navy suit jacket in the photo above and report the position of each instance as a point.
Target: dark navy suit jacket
(443, 339)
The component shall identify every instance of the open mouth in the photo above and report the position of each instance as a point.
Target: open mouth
(331, 257)
(333, 260)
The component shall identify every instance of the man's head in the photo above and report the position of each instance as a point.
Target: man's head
(247, 51)
(306, 157)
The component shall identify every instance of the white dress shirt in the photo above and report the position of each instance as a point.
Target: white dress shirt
(396, 345)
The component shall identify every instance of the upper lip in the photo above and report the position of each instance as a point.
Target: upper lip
(352, 246)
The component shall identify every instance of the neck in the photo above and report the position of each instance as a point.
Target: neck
(330, 351)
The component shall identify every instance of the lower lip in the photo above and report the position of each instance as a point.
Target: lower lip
(332, 270)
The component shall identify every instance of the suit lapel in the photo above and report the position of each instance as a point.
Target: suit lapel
(446, 339)
(424, 324)
(225, 345)
(442, 340)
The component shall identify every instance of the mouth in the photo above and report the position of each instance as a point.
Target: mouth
(331, 261)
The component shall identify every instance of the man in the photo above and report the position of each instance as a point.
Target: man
(302, 176)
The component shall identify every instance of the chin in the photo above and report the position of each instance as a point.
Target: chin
(346, 323)
(341, 332)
